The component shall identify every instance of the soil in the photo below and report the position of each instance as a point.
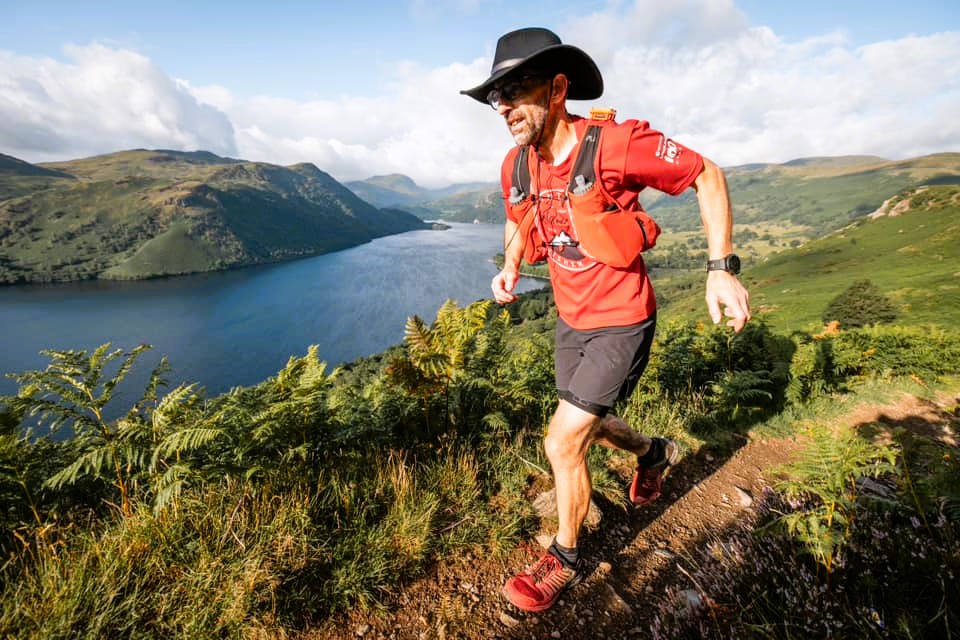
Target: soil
(638, 559)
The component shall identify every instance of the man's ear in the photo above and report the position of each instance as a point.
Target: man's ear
(559, 88)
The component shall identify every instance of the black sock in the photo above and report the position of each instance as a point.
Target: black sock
(654, 454)
(568, 556)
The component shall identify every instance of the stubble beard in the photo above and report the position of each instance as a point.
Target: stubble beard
(533, 123)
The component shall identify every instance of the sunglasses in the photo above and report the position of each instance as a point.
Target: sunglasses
(513, 90)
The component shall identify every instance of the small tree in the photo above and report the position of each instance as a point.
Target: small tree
(862, 303)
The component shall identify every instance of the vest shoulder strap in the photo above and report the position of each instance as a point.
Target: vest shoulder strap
(584, 169)
(520, 187)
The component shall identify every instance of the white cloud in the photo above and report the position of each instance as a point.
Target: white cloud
(749, 96)
(420, 126)
(694, 68)
(101, 101)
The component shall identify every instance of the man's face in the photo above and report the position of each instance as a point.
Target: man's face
(524, 104)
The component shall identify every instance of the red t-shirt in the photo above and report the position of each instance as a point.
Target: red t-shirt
(590, 294)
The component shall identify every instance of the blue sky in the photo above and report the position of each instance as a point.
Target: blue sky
(371, 87)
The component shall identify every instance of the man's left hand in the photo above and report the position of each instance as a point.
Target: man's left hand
(724, 290)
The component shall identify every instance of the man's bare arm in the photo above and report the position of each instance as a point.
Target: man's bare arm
(725, 295)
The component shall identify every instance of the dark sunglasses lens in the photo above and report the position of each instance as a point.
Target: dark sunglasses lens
(512, 91)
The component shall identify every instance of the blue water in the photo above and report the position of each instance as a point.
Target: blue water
(240, 327)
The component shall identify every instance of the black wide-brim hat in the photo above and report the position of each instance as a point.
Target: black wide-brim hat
(541, 49)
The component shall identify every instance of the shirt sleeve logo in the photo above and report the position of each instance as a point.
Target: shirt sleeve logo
(668, 150)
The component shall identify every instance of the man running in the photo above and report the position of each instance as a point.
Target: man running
(607, 309)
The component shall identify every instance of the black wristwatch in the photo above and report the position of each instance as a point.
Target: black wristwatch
(730, 264)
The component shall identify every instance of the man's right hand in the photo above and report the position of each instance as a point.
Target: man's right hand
(503, 284)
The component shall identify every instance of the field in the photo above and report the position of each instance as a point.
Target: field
(913, 257)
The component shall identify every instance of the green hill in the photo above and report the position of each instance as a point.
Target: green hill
(909, 248)
(815, 195)
(458, 202)
(811, 195)
(389, 190)
(140, 214)
(19, 178)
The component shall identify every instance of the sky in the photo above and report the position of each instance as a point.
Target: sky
(371, 88)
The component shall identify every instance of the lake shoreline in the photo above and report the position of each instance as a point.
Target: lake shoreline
(237, 327)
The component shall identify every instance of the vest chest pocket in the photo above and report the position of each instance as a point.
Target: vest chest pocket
(609, 234)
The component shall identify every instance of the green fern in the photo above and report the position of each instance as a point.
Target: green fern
(825, 480)
(74, 391)
(447, 365)
(738, 391)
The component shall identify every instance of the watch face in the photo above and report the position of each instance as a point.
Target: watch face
(733, 264)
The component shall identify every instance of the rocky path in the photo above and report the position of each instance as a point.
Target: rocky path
(639, 559)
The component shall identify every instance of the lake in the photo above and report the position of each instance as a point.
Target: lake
(237, 328)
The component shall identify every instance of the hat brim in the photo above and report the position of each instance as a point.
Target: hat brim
(586, 83)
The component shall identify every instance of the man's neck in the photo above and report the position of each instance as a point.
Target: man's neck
(559, 139)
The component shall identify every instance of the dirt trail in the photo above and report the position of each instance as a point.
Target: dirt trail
(636, 557)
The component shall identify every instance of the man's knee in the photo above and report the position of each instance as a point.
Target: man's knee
(569, 436)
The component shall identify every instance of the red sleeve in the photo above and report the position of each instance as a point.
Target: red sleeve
(647, 158)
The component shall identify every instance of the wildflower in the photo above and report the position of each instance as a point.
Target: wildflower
(915, 521)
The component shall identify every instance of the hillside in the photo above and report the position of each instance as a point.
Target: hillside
(643, 562)
(391, 497)
(908, 247)
(396, 190)
(140, 214)
(19, 178)
(815, 195)
(457, 203)
(809, 195)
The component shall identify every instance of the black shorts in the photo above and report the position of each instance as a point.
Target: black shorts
(597, 368)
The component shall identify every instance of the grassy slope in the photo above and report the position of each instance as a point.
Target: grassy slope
(813, 195)
(19, 178)
(173, 252)
(820, 194)
(913, 257)
(137, 214)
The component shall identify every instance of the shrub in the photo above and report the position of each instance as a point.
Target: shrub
(861, 304)
(826, 480)
(740, 376)
(828, 362)
(74, 391)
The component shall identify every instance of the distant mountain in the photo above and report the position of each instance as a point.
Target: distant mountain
(10, 166)
(463, 202)
(836, 161)
(392, 190)
(142, 213)
(815, 195)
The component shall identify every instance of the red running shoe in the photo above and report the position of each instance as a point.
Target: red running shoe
(537, 587)
(648, 481)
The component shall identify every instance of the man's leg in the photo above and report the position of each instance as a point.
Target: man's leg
(614, 433)
(593, 369)
(569, 436)
(655, 457)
